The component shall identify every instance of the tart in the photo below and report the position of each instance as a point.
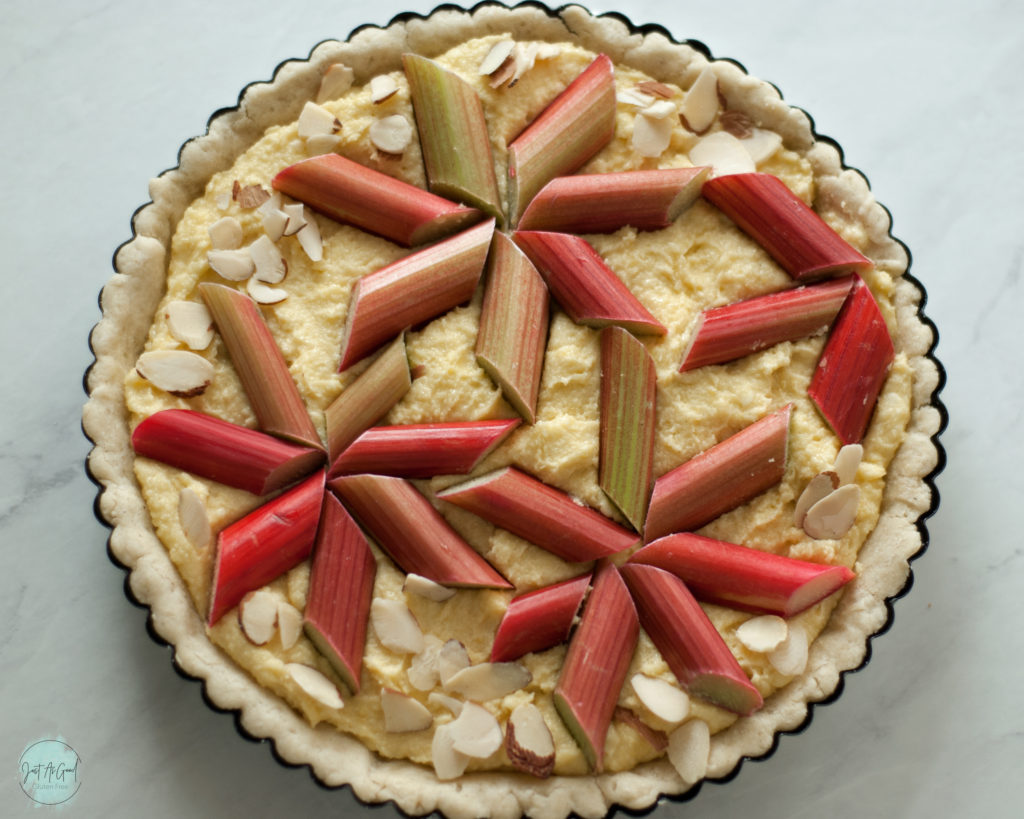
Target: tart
(510, 412)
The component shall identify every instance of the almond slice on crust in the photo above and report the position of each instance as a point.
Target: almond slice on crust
(689, 747)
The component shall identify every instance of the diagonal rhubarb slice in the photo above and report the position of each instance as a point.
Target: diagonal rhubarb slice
(423, 450)
(726, 333)
(513, 326)
(369, 398)
(453, 135)
(605, 202)
(577, 124)
(580, 281)
(628, 423)
(340, 590)
(413, 533)
(265, 544)
(688, 642)
(260, 366)
(224, 452)
(541, 514)
(776, 218)
(725, 476)
(596, 664)
(741, 577)
(538, 620)
(412, 290)
(357, 195)
(853, 366)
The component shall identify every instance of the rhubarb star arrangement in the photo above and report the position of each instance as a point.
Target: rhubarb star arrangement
(605, 417)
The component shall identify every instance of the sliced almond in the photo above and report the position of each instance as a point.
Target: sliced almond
(451, 660)
(848, 462)
(382, 87)
(248, 196)
(737, 123)
(817, 488)
(834, 515)
(264, 294)
(504, 73)
(274, 223)
(761, 144)
(190, 323)
(475, 732)
(315, 684)
(659, 109)
(790, 658)
(724, 153)
(763, 634)
(651, 135)
(310, 240)
(689, 747)
(271, 267)
(700, 104)
(448, 763)
(233, 265)
(656, 89)
(226, 234)
(655, 738)
(257, 615)
(337, 79)
(315, 120)
(666, 701)
(178, 372)
(403, 714)
(636, 97)
(528, 741)
(395, 626)
(423, 673)
(195, 522)
(296, 213)
(322, 144)
(499, 52)
(391, 135)
(289, 624)
(425, 587)
(489, 681)
(452, 704)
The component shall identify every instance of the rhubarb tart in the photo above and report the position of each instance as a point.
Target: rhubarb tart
(511, 412)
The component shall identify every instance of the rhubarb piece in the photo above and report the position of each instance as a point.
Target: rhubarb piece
(605, 202)
(539, 619)
(790, 658)
(265, 544)
(402, 713)
(195, 523)
(585, 287)
(340, 590)
(315, 684)
(513, 327)
(413, 533)
(475, 732)
(663, 699)
(257, 616)
(178, 372)
(528, 741)
(792, 234)
(453, 135)
(577, 124)
(224, 452)
(689, 748)
(395, 626)
(412, 290)
(596, 664)
(730, 332)
(742, 577)
(369, 398)
(818, 487)
(423, 450)
(853, 366)
(628, 423)
(721, 478)
(541, 514)
(427, 588)
(687, 640)
(357, 195)
(764, 633)
(488, 681)
(260, 366)
(834, 515)
(190, 323)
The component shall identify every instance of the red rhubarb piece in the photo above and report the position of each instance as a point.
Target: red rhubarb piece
(423, 450)
(791, 233)
(340, 591)
(741, 577)
(413, 533)
(687, 640)
(726, 333)
(721, 478)
(265, 544)
(585, 287)
(541, 514)
(538, 620)
(224, 452)
(853, 366)
(354, 194)
(596, 664)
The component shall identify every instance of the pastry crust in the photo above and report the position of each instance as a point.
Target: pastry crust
(131, 298)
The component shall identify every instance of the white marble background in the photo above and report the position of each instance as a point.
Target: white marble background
(925, 98)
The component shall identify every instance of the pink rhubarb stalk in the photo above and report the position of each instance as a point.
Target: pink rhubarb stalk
(541, 514)
(687, 640)
(224, 452)
(741, 577)
(539, 619)
(721, 478)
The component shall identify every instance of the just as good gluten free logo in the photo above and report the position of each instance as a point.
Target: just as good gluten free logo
(49, 772)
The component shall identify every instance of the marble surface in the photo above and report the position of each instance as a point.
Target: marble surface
(98, 98)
